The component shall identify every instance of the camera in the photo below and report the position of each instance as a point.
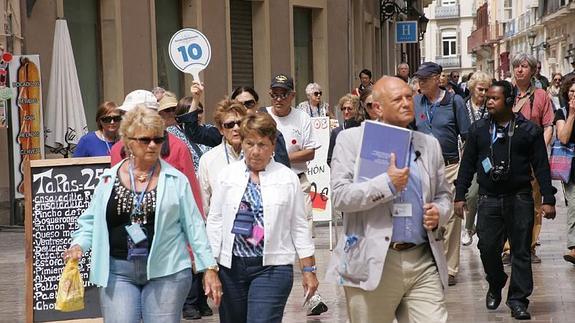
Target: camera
(499, 172)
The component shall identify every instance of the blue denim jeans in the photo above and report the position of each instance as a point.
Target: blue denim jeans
(254, 293)
(130, 297)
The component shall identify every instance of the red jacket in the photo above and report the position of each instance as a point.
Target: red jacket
(179, 157)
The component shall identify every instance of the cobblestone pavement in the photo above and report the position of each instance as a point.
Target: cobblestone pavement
(553, 298)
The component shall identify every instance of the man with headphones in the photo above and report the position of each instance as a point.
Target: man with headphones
(502, 150)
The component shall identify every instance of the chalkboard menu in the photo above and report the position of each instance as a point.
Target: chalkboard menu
(57, 191)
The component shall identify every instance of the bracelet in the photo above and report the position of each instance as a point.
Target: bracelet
(310, 269)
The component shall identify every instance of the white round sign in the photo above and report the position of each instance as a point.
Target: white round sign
(190, 51)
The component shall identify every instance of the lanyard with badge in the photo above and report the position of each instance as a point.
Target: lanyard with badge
(137, 235)
(404, 208)
(245, 221)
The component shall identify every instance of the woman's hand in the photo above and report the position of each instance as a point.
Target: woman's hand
(213, 286)
(572, 106)
(74, 252)
(310, 284)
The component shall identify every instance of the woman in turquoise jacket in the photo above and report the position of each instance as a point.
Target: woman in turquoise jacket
(137, 226)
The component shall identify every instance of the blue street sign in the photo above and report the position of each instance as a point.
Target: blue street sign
(406, 32)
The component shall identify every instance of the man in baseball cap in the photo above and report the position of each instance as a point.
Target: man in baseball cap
(428, 69)
(136, 97)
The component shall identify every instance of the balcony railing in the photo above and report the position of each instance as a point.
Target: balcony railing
(552, 6)
(477, 38)
(510, 28)
(449, 61)
(445, 12)
(525, 21)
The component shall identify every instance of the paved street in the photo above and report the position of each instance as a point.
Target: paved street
(553, 299)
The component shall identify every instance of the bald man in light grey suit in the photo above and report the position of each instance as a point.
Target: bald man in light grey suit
(390, 266)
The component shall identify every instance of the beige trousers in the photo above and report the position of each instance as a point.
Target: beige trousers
(452, 242)
(410, 290)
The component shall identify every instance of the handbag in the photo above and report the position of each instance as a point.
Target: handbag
(561, 160)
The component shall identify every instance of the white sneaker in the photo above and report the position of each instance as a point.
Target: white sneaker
(466, 238)
(315, 305)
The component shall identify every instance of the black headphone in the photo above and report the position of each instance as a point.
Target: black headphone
(508, 92)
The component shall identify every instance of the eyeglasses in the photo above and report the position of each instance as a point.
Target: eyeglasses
(232, 124)
(249, 104)
(318, 93)
(346, 109)
(146, 140)
(279, 97)
(557, 80)
(109, 119)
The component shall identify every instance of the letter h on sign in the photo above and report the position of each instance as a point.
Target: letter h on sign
(406, 32)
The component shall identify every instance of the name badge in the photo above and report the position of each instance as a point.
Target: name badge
(136, 233)
(402, 210)
(486, 165)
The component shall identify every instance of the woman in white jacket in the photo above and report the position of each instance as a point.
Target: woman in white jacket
(255, 226)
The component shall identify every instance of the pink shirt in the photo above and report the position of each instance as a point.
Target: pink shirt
(542, 112)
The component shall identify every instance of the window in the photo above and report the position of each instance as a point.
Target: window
(167, 23)
(445, 3)
(303, 50)
(449, 43)
(242, 43)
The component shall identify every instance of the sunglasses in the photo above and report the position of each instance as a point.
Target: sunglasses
(109, 119)
(346, 109)
(557, 80)
(146, 140)
(368, 105)
(317, 93)
(280, 97)
(169, 110)
(231, 124)
(200, 111)
(249, 104)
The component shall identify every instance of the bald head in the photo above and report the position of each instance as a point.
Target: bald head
(393, 99)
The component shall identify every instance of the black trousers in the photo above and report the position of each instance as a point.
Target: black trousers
(509, 217)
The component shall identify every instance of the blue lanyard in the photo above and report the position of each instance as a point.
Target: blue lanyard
(252, 187)
(138, 200)
(427, 112)
(493, 134)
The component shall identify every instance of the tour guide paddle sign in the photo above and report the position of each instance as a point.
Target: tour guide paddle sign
(190, 51)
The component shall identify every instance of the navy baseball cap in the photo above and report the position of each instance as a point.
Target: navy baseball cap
(283, 81)
(428, 69)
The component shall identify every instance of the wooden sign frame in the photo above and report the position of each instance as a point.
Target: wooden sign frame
(28, 165)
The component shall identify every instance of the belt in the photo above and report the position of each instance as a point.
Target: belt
(300, 175)
(451, 161)
(401, 246)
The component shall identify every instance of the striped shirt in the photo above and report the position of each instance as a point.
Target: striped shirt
(252, 199)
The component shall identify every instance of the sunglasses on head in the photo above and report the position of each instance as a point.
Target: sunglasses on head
(109, 119)
(231, 124)
(318, 93)
(279, 96)
(147, 140)
(249, 104)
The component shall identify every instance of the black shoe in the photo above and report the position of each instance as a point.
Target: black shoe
(519, 312)
(205, 310)
(493, 299)
(191, 313)
(451, 280)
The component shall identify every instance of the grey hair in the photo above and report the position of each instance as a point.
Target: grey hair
(312, 87)
(519, 58)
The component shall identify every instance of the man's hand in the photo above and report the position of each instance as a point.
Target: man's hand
(458, 208)
(548, 211)
(430, 216)
(397, 176)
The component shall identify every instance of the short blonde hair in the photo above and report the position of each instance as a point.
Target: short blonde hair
(260, 123)
(228, 106)
(353, 99)
(139, 119)
(478, 77)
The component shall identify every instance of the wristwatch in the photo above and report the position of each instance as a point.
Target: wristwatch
(215, 268)
(310, 269)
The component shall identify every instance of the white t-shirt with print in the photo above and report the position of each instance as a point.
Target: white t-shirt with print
(296, 129)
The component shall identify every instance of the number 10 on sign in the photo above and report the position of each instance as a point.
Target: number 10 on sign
(190, 51)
